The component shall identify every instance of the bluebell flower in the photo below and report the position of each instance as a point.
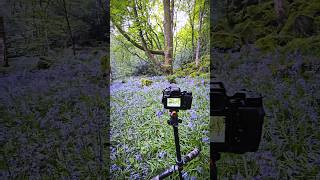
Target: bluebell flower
(162, 154)
(159, 113)
(205, 140)
(190, 125)
(193, 115)
(138, 157)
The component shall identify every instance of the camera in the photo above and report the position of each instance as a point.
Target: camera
(235, 121)
(174, 99)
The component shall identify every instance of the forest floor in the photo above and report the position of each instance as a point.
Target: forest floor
(142, 141)
(290, 85)
(54, 121)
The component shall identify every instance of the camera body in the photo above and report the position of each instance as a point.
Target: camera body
(174, 99)
(240, 118)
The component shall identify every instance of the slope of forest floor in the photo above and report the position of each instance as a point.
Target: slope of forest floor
(54, 121)
(290, 85)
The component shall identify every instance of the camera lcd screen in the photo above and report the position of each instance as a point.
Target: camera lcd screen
(217, 128)
(174, 102)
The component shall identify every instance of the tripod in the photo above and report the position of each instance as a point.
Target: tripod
(174, 122)
(214, 156)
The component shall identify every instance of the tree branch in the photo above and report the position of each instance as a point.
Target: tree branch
(158, 52)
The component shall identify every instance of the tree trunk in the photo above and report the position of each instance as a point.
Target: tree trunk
(69, 26)
(191, 21)
(3, 49)
(278, 6)
(168, 35)
(199, 35)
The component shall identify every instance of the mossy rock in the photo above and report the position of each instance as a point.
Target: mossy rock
(146, 82)
(306, 46)
(172, 79)
(222, 25)
(263, 12)
(268, 43)
(311, 8)
(194, 74)
(180, 73)
(250, 31)
(44, 62)
(302, 19)
(225, 41)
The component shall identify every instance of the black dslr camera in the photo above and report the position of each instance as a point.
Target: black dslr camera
(236, 121)
(174, 99)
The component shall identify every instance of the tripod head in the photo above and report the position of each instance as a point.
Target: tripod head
(174, 119)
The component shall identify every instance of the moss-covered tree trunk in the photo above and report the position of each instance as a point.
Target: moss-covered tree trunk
(168, 35)
(199, 37)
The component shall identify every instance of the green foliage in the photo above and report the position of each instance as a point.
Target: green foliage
(190, 69)
(171, 79)
(146, 82)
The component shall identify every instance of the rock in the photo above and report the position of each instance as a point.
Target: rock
(146, 82)
(225, 41)
(303, 26)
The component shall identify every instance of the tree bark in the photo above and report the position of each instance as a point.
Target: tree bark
(191, 14)
(69, 26)
(3, 49)
(168, 35)
(199, 35)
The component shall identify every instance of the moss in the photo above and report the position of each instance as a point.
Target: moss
(311, 8)
(204, 75)
(194, 74)
(146, 82)
(180, 73)
(225, 40)
(317, 24)
(104, 64)
(222, 25)
(306, 46)
(268, 43)
(44, 62)
(299, 9)
(262, 12)
(172, 79)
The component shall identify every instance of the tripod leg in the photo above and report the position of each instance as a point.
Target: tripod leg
(177, 143)
(215, 156)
